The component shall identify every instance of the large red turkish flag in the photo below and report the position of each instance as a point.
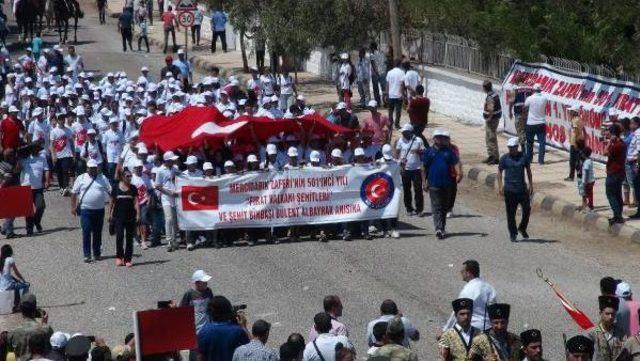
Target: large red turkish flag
(196, 198)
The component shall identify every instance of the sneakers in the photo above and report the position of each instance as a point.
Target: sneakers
(422, 214)
(11, 235)
(449, 214)
(346, 237)
(524, 233)
(395, 234)
(568, 179)
(119, 262)
(373, 229)
(169, 248)
(97, 258)
(39, 228)
(144, 245)
(87, 260)
(190, 247)
(251, 242)
(440, 234)
(513, 238)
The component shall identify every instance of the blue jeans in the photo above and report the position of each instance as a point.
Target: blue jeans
(613, 187)
(537, 131)
(91, 221)
(111, 169)
(157, 225)
(7, 226)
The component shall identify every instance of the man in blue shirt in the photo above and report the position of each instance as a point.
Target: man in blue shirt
(218, 28)
(439, 173)
(514, 189)
(219, 338)
(186, 74)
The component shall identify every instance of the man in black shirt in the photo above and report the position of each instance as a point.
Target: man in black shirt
(170, 68)
(125, 25)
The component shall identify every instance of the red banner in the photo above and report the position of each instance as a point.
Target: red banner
(16, 202)
(164, 331)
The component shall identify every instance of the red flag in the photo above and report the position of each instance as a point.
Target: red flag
(581, 319)
(165, 330)
(196, 198)
(16, 202)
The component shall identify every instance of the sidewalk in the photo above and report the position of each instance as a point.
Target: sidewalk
(552, 193)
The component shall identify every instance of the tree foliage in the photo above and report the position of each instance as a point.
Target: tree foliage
(592, 31)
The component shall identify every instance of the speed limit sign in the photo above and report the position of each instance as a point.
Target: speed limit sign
(186, 18)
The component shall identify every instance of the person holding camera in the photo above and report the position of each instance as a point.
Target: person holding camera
(615, 151)
(224, 333)
(34, 322)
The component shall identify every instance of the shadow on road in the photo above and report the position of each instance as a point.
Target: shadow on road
(467, 234)
(146, 263)
(538, 240)
(64, 305)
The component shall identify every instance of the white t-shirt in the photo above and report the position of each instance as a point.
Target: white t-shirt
(61, 140)
(40, 131)
(286, 84)
(167, 200)
(80, 133)
(113, 142)
(143, 184)
(6, 281)
(412, 154)
(326, 343)
(91, 151)
(32, 173)
(537, 105)
(127, 156)
(411, 79)
(395, 79)
(97, 195)
(195, 174)
(343, 76)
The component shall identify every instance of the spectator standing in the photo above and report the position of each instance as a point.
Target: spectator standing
(394, 349)
(102, 11)
(576, 140)
(627, 184)
(143, 32)
(333, 307)
(536, 127)
(345, 78)
(149, 4)
(11, 278)
(33, 170)
(394, 91)
(587, 179)
(169, 23)
(287, 89)
(260, 49)
(124, 215)
(409, 148)
(256, 349)
(479, 291)
(199, 296)
(418, 110)
(323, 348)
(125, 26)
(75, 62)
(93, 190)
(517, 96)
(186, 70)
(389, 311)
(8, 177)
(492, 114)
(411, 80)
(616, 154)
(377, 124)
(632, 162)
(36, 46)
(514, 189)
(220, 337)
(169, 67)
(438, 163)
(378, 72)
(219, 30)
(363, 77)
(198, 16)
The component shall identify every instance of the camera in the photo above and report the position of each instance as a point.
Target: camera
(237, 308)
(164, 304)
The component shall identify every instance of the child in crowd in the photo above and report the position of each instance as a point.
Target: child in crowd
(586, 179)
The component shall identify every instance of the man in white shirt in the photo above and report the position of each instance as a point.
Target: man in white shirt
(363, 72)
(536, 122)
(389, 310)
(345, 74)
(33, 170)
(333, 307)
(411, 80)
(395, 89)
(61, 138)
(478, 290)
(113, 142)
(408, 151)
(323, 348)
(166, 185)
(378, 71)
(90, 194)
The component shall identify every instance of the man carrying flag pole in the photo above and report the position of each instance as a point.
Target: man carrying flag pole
(578, 316)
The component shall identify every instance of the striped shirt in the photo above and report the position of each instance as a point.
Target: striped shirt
(254, 351)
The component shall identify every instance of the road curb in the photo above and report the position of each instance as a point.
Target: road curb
(562, 209)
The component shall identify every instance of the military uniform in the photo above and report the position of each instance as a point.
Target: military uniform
(492, 114)
(486, 347)
(607, 345)
(453, 340)
(579, 346)
(630, 349)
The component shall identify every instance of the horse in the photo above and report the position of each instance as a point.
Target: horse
(26, 13)
(63, 11)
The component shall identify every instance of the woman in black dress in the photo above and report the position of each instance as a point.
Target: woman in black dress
(124, 216)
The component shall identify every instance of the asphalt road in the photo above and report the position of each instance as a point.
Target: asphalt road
(285, 283)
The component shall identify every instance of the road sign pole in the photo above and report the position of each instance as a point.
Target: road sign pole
(186, 43)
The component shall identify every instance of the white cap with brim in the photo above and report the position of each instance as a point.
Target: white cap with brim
(91, 131)
(512, 142)
(169, 155)
(407, 128)
(341, 106)
(441, 133)
(252, 158)
(91, 163)
(229, 164)
(192, 159)
(292, 152)
(59, 340)
(623, 289)
(200, 276)
(314, 156)
(207, 166)
(372, 104)
(137, 163)
(272, 149)
(386, 152)
(358, 152)
(336, 153)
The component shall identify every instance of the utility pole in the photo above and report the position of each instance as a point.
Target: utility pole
(395, 30)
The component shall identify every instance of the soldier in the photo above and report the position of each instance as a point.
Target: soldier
(607, 337)
(492, 114)
(517, 96)
(456, 341)
(531, 345)
(497, 344)
(579, 348)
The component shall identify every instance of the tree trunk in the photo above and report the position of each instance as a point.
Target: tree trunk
(243, 50)
(394, 20)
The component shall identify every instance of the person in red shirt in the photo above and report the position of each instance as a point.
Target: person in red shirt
(419, 112)
(377, 124)
(10, 129)
(616, 152)
(169, 23)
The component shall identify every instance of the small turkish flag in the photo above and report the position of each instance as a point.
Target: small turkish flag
(199, 198)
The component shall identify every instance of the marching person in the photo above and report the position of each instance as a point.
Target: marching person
(607, 337)
(479, 291)
(89, 195)
(492, 114)
(164, 183)
(514, 189)
(579, 348)
(408, 150)
(455, 342)
(124, 214)
(438, 163)
(531, 345)
(497, 343)
(33, 170)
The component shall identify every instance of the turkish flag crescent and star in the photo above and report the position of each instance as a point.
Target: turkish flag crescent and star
(17, 201)
(196, 198)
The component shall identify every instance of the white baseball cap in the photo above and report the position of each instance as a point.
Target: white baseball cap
(91, 131)
(407, 128)
(341, 106)
(537, 87)
(252, 158)
(207, 166)
(229, 164)
(169, 155)
(440, 132)
(37, 111)
(386, 152)
(180, 51)
(300, 97)
(272, 149)
(344, 56)
(336, 153)
(200, 276)
(59, 339)
(623, 289)
(91, 163)
(192, 159)
(512, 142)
(142, 148)
(314, 156)
(144, 68)
(292, 152)
(137, 163)
(372, 104)
(358, 151)
(574, 108)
